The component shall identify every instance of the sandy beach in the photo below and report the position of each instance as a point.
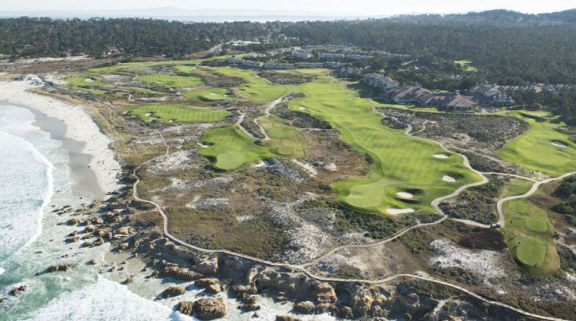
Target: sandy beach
(79, 127)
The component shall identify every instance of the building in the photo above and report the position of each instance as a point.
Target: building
(302, 54)
(380, 81)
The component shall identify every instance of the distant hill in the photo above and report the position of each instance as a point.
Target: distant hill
(494, 17)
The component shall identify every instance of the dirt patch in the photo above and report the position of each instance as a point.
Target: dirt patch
(489, 239)
(281, 78)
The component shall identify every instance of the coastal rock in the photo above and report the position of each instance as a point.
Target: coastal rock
(210, 308)
(325, 307)
(325, 293)
(185, 307)
(361, 303)
(89, 229)
(16, 291)
(73, 221)
(181, 273)
(249, 307)
(287, 318)
(210, 285)
(60, 267)
(72, 239)
(126, 230)
(207, 266)
(345, 312)
(173, 291)
(240, 290)
(305, 307)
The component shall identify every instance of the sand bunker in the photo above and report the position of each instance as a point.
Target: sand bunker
(441, 156)
(449, 179)
(398, 211)
(404, 195)
(559, 144)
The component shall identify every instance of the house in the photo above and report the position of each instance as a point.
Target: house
(331, 56)
(357, 57)
(309, 65)
(380, 81)
(459, 103)
(302, 55)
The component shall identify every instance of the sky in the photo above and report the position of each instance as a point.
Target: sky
(327, 7)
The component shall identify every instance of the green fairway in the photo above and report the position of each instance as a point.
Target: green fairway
(398, 162)
(466, 65)
(256, 90)
(170, 81)
(516, 186)
(181, 113)
(208, 95)
(529, 234)
(284, 140)
(534, 149)
(232, 148)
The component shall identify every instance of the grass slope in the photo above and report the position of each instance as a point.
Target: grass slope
(284, 140)
(232, 148)
(256, 90)
(170, 81)
(208, 95)
(529, 234)
(398, 162)
(534, 150)
(180, 113)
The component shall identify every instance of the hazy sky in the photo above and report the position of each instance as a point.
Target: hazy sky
(350, 7)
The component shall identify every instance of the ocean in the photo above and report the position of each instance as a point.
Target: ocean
(41, 171)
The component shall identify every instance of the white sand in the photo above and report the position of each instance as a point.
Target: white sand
(307, 167)
(441, 156)
(79, 127)
(449, 179)
(559, 144)
(404, 195)
(398, 211)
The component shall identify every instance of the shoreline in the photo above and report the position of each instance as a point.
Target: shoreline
(81, 137)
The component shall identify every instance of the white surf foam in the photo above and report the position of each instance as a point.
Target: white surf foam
(26, 179)
(104, 300)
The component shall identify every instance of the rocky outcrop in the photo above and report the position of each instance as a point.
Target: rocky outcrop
(250, 302)
(16, 291)
(173, 291)
(60, 267)
(324, 293)
(287, 318)
(207, 266)
(181, 273)
(305, 307)
(210, 308)
(210, 285)
(185, 307)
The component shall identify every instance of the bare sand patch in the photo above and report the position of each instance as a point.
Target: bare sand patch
(404, 195)
(558, 144)
(399, 211)
(441, 156)
(449, 179)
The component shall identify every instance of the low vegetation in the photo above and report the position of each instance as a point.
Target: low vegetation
(179, 113)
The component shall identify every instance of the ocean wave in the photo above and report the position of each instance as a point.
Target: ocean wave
(104, 300)
(26, 179)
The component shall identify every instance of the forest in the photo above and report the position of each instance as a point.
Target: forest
(505, 47)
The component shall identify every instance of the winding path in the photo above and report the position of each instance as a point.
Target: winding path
(302, 268)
